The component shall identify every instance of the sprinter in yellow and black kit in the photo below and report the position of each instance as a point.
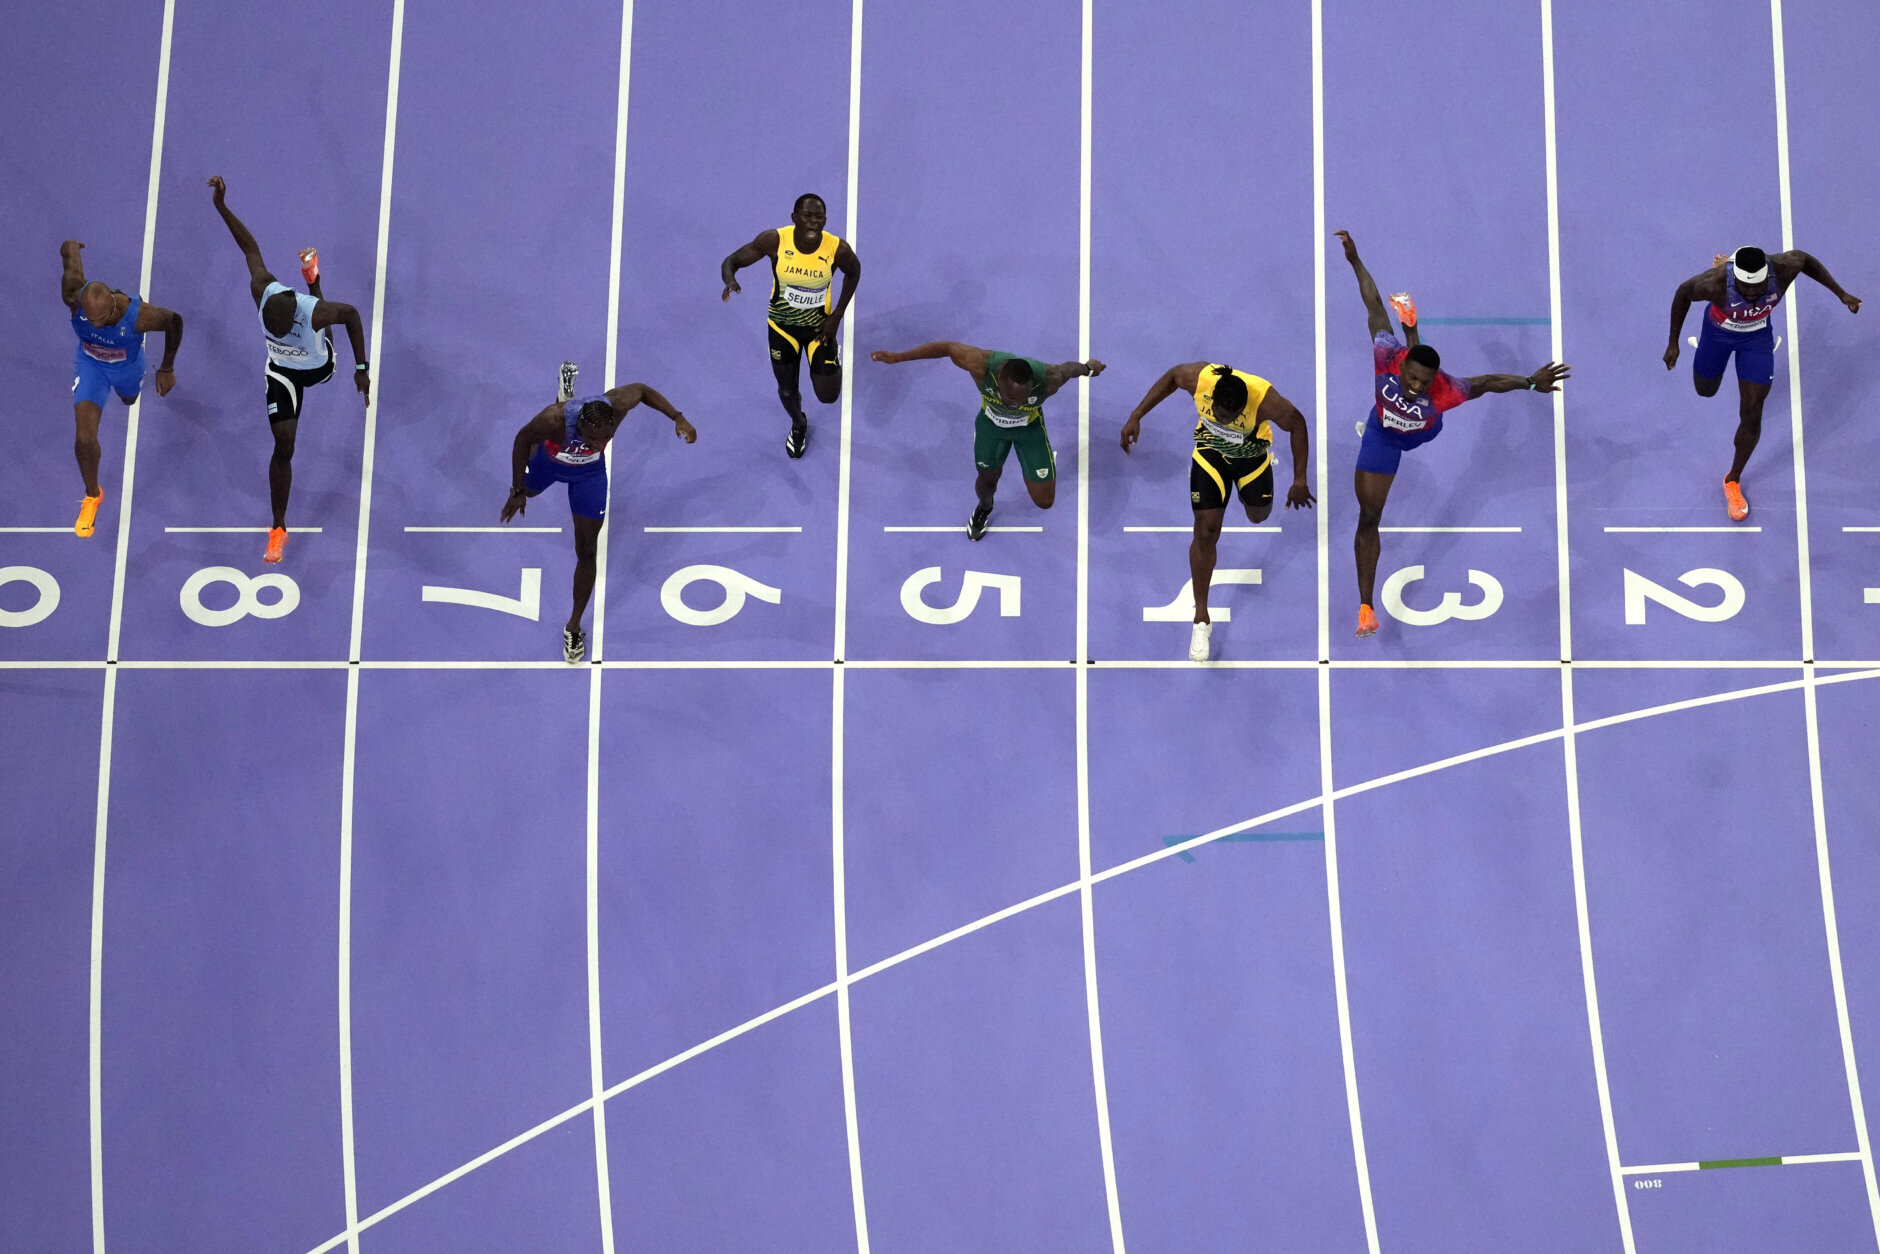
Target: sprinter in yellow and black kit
(1236, 415)
(803, 319)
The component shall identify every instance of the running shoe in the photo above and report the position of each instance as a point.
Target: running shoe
(976, 525)
(569, 372)
(573, 645)
(797, 442)
(1198, 642)
(88, 514)
(1405, 307)
(310, 264)
(1733, 497)
(277, 544)
(1367, 621)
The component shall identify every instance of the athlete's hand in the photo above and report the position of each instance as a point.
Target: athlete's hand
(1671, 355)
(1094, 367)
(362, 379)
(684, 430)
(518, 503)
(166, 379)
(69, 247)
(827, 331)
(217, 187)
(1299, 496)
(731, 285)
(1852, 302)
(1549, 376)
(1132, 431)
(885, 357)
(1351, 249)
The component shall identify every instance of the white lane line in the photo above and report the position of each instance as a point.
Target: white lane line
(1087, 905)
(958, 530)
(1806, 604)
(718, 530)
(1785, 1160)
(232, 531)
(1334, 908)
(108, 714)
(497, 530)
(1790, 1160)
(1064, 890)
(838, 681)
(47, 531)
(1850, 530)
(1453, 530)
(1189, 530)
(349, 754)
(1678, 530)
(1569, 744)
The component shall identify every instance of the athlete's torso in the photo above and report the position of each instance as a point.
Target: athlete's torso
(1002, 412)
(571, 449)
(1246, 436)
(1738, 313)
(800, 289)
(302, 348)
(1399, 412)
(117, 342)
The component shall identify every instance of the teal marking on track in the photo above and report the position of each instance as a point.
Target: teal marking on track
(1484, 322)
(1168, 842)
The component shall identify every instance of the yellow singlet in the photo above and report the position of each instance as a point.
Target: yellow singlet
(801, 291)
(1246, 437)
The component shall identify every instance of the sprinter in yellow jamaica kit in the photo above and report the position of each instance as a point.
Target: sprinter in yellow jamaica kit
(1233, 457)
(804, 259)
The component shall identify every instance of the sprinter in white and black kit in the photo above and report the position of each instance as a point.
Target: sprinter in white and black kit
(298, 327)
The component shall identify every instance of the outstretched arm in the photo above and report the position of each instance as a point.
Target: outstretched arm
(851, 267)
(765, 245)
(1185, 376)
(1546, 379)
(73, 276)
(965, 356)
(1057, 376)
(628, 395)
(1703, 287)
(1812, 267)
(258, 276)
(157, 318)
(325, 314)
(1377, 316)
(1285, 415)
(533, 432)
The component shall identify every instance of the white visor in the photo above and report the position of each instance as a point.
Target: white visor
(1748, 276)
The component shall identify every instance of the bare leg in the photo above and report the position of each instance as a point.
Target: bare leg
(1748, 426)
(587, 535)
(1043, 495)
(1372, 490)
(986, 485)
(1201, 555)
(281, 469)
(86, 446)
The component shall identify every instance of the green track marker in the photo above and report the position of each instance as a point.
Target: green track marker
(1242, 837)
(1718, 1163)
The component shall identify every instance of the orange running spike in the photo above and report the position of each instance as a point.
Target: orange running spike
(1405, 307)
(1733, 497)
(277, 544)
(1367, 621)
(88, 515)
(310, 264)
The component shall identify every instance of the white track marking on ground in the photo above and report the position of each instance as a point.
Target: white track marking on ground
(1817, 800)
(349, 753)
(230, 531)
(1845, 529)
(838, 686)
(37, 531)
(960, 530)
(716, 530)
(1087, 906)
(1334, 908)
(597, 1070)
(1677, 530)
(1569, 744)
(496, 530)
(1787, 1160)
(1065, 890)
(1451, 530)
(108, 714)
(1189, 529)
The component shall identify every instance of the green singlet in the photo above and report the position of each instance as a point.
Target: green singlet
(1001, 428)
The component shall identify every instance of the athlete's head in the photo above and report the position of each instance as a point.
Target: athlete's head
(1419, 369)
(810, 213)
(1015, 380)
(1230, 394)
(94, 301)
(1751, 269)
(277, 313)
(596, 422)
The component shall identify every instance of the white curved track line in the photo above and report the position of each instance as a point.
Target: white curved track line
(1076, 886)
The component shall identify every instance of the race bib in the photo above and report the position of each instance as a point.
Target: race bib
(1231, 435)
(98, 352)
(1007, 420)
(805, 298)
